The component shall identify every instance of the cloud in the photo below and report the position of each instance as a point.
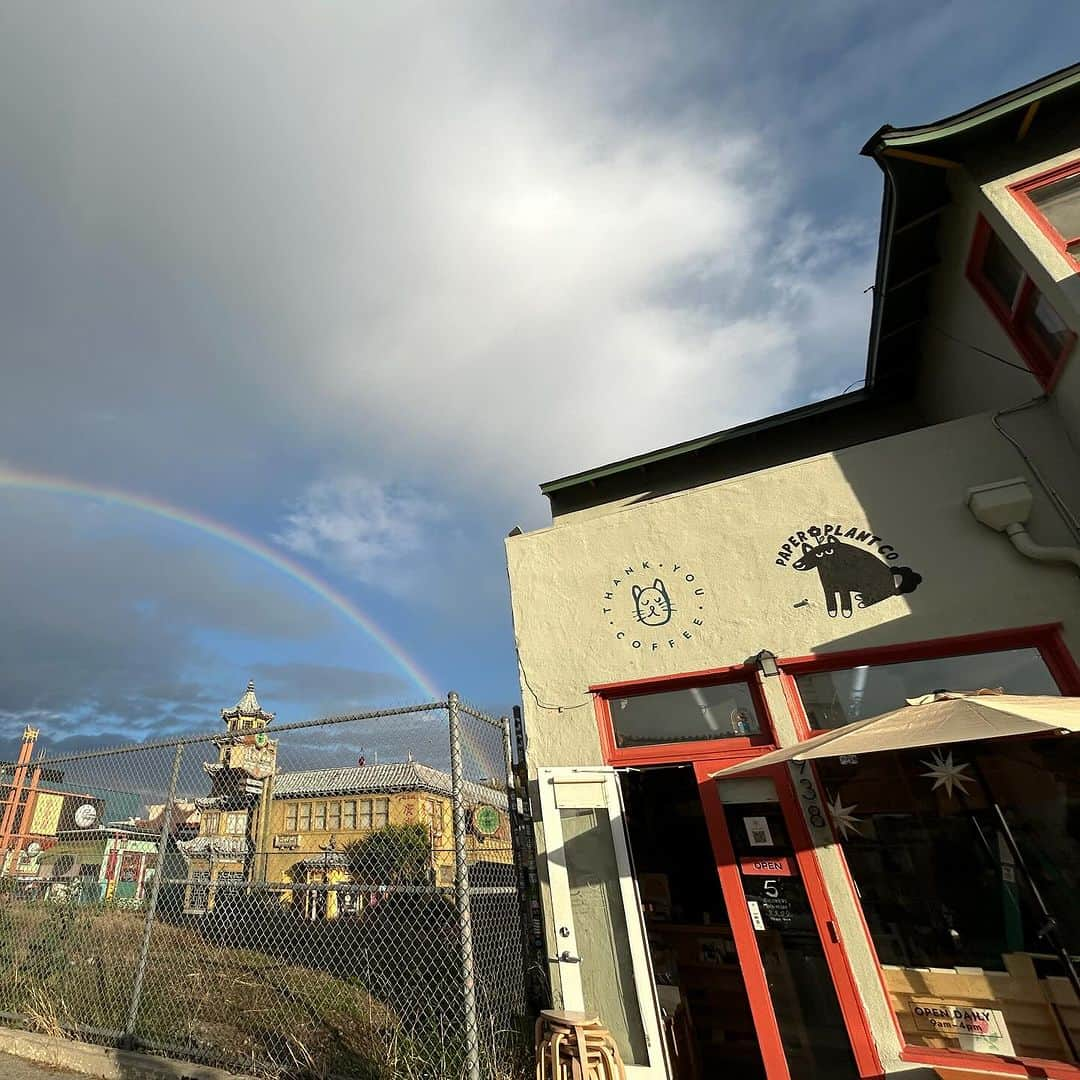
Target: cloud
(364, 529)
(467, 249)
(106, 620)
(341, 687)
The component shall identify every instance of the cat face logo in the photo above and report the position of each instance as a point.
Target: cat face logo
(652, 606)
(635, 610)
(850, 576)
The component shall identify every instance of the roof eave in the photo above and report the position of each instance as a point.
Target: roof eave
(888, 136)
(641, 461)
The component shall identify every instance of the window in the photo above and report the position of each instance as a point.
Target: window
(348, 814)
(290, 817)
(333, 816)
(236, 824)
(707, 712)
(305, 817)
(951, 911)
(374, 813)
(1039, 333)
(1053, 201)
(211, 823)
(318, 816)
(832, 699)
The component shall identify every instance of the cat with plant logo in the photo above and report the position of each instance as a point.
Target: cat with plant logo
(846, 571)
(652, 606)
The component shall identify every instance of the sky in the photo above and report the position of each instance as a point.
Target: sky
(315, 295)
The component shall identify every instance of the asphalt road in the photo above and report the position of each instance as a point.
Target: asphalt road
(13, 1068)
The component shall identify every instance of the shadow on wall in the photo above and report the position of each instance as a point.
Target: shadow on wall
(916, 543)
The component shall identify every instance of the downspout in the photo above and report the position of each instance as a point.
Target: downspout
(1006, 507)
(1021, 540)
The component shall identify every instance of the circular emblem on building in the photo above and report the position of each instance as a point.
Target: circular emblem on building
(654, 606)
(486, 820)
(260, 739)
(86, 816)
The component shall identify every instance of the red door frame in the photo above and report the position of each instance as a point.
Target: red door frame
(708, 758)
(862, 1043)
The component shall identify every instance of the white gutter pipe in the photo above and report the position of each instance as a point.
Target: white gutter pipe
(1023, 543)
(1005, 507)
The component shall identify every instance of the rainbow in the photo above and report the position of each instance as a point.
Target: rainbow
(23, 480)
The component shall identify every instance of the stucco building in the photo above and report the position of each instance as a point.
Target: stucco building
(694, 607)
(260, 825)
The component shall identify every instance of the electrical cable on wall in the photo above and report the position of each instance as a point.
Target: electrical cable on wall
(1070, 519)
(540, 704)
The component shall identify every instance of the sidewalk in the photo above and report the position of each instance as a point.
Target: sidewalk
(13, 1068)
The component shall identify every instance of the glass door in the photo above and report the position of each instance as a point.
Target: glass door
(787, 941)
(600, 951)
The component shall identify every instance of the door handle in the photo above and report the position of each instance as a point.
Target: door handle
(565, 957)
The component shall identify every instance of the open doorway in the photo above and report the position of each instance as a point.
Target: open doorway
(708, 1026)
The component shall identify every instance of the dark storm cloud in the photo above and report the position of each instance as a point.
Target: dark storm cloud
(99, 624)
(341, 688)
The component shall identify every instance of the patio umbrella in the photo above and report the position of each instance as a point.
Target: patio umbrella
(951, 717)
(946, 716)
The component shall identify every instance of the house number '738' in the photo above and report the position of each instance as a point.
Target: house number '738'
(808, 793)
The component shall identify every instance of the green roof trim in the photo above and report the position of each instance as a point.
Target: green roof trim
(642, 461)
(996, 107)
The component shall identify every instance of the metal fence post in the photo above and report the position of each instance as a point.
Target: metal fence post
(461, 893)
(517, 840)
(155, 891)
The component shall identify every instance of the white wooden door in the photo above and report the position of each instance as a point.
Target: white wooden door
(601, 952)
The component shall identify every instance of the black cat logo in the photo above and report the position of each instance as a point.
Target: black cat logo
(847, 571)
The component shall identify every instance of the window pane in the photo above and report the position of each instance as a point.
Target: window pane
(318, 816)
(1046, 325)
(1002, 270)
(290, 816)
(1059, 203)
(348, 817)
(834, 698)
(707, 712)
(381, 813)
(365, 814)
(607, 968)
(950, 910)
(333, 817)
(305, 816)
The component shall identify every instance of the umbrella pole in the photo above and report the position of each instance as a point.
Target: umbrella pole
(1049, 932)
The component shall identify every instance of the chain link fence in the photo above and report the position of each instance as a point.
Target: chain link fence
(276, 898)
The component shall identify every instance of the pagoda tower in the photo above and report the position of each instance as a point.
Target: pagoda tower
(232, 841)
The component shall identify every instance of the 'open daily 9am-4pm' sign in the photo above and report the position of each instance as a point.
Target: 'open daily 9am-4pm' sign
(946, 1018)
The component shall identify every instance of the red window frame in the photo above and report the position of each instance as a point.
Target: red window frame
(1065, 671)
(733, 747)
(1013, 314)
(1021, 191)
(1045, 637)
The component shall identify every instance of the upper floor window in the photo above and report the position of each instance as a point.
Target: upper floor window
(1037, 330)
(1053, 201)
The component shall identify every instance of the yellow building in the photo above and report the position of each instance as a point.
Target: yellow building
(314, 828)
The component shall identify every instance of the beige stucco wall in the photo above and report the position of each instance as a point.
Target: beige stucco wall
(909, 490)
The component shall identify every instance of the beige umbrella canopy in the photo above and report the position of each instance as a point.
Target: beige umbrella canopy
(931, 720)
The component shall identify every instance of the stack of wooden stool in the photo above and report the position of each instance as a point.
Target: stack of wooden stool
(574, 1046)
